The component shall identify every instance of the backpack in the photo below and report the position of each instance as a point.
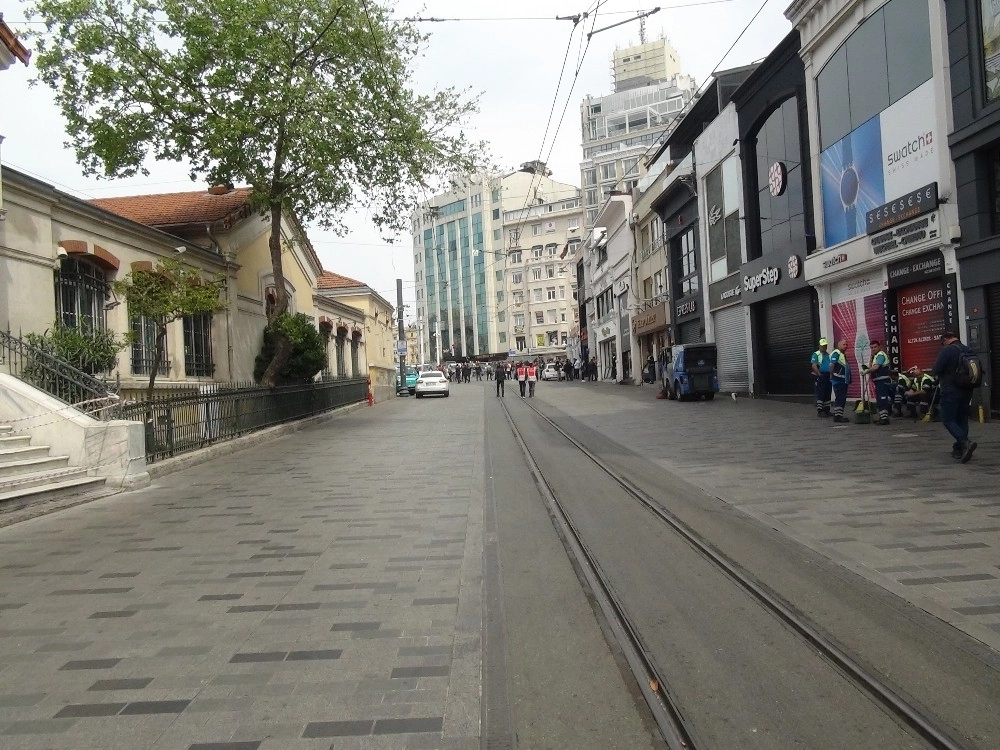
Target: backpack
(969, 370)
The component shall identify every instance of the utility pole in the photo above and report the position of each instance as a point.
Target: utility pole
(420, 338)
(401, 341)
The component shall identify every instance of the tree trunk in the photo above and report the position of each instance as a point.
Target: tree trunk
(282, 346)
(161, 337)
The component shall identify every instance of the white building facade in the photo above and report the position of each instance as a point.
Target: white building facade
(460, 259)
(540, 313)
(609, 262)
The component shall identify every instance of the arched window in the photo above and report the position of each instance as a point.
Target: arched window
(82, 290)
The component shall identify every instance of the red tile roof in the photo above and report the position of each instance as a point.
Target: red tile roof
(11, 42)
(175, 209)
(331, 280)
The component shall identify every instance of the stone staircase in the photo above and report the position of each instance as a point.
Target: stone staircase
(30, 475)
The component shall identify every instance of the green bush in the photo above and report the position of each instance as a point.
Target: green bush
(308, 353)
(92, 350)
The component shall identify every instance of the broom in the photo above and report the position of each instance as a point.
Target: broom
(930, 409)
(863, 415)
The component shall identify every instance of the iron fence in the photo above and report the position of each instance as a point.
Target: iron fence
(57, 377)
(217, 412)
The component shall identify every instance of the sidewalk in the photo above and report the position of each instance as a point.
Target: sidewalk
(328, 596)
(888, 503)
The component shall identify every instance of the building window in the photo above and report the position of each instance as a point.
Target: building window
(536, 252)
(499, 275)
(592, 197)
(591, 216)
(355, 357)
(500, 296)
(515, 237)
(539, 317)
(536, 295)
(658, 289)
(517, 277)
(81, 292)
(503, 337)
(536, 274)
(574, 223)
(722, 188)
(536, 229)
(514, 256)
(476, 200)
(519, 343)
(885, 59)
(501, 316)
(550, 292)
(550, 250)
(562, 339)
(198, 345)
(496, 214)
(686, 254)
(144, 333)
(497, 234)
(550, 316)
(609, 171)
(340, 351)
(550, 271)
(518, 298)
(519, 320)
(572, 246)
(562, 292)
(589, 177)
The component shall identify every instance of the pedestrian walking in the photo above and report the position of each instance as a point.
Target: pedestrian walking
(489, 371)
(532, 379)
(951, 368)
(840, 378)
(593, 369)
(879, 373)
(820, 363)
(522, 377)
(576, 369)
(501, 377)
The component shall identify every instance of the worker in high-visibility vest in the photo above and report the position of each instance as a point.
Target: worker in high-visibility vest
(522, 377)
(532, 379)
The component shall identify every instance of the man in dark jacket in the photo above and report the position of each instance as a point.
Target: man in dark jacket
(500, 373)
(955, 400)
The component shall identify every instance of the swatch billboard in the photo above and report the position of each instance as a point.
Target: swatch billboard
(890, 155)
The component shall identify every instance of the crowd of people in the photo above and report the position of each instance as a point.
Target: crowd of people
(915, 391)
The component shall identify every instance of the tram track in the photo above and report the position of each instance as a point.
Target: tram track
(666, 705)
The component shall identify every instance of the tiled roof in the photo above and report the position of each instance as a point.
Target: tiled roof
(331, 280)
(173, 209)
(9, 40)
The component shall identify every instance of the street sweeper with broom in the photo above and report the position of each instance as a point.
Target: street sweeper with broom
(840, 378)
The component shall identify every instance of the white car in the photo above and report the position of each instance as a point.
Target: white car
(432, 382)
(551, 372)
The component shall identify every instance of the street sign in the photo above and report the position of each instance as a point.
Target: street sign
(401, 348)
(511, 353)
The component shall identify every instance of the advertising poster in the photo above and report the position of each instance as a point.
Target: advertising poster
(991, 47)
(886, 157)
(921, 309)
(858, 317)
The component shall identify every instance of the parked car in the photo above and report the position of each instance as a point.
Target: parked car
(432, 382)
(411, 379)
(551, 371)
(692, 372)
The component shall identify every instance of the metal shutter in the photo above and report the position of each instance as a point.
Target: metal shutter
(993, 311)
(731, 340)
(690, 332)
(788, 339)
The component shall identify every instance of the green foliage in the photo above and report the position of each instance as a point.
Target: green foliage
(309, 102)
(171, 291)
(92, 350)
(308, 353)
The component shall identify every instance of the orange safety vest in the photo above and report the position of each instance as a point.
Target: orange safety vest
(531, 372)
(521, 372)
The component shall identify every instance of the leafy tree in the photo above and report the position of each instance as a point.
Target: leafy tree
(168, 292)
(310, 102)
(308, 355)
(90, 350)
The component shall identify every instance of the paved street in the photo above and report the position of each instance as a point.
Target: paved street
(328, 591)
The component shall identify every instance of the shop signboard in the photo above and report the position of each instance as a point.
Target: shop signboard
(913, 270)
(650, 320)
(770, 276)
(888, 156)
(727, 291)
(686, 309)
(836, 260)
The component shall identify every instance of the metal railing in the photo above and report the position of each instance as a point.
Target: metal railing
(57, 377)
(177, 423)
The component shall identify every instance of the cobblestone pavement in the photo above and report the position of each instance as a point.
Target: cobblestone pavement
(329, 599)
(886, 502)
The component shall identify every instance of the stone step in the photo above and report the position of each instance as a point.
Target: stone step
(5, 429)
(44, 493)
(22, 453)
(32, 465)
(23, 481)
(14, 441)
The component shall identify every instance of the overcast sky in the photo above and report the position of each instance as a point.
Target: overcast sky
(513, 65)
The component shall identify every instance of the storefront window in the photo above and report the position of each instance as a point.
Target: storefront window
(686, 263)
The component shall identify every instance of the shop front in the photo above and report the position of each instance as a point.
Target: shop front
(651, 331)
(607, 350)
(784, 319)
(687, 321)
(730, 322)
